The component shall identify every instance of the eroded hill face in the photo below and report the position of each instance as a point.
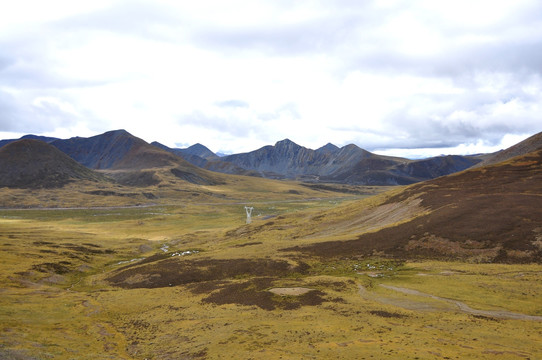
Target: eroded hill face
(489, 214)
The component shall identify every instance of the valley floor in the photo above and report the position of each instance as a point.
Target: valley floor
(193, 282)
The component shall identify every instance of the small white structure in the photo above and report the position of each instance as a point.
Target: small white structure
(249, 209)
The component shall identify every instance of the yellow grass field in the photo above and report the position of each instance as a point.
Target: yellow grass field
(191, 280)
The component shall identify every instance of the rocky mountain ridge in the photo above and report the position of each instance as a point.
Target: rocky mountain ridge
(350, 164)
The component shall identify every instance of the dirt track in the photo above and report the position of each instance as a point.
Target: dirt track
(448, 304)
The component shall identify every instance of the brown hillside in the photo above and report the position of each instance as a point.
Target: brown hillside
(31, 163)
(486, 214)
(528, 145)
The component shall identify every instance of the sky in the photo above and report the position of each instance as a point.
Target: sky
(410, 78)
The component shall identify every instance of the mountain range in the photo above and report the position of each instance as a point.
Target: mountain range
(349, 164)
(130, 160)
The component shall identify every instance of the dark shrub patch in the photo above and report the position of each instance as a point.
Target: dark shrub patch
(58, 268)
(154, 272)
(254, 293)
(386, 314)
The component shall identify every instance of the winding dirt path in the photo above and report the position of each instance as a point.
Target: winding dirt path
(448, 304)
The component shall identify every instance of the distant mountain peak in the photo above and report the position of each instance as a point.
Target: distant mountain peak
(328, 148)
(196, 154)
(285, 142)
(200, 150)
(119, 132)
(198, 147)
(351, 146)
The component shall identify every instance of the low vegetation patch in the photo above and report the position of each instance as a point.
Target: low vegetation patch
(155, 272)
(255, 292)
(387, 314)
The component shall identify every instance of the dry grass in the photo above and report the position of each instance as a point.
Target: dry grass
(187, 278)
(60, 298)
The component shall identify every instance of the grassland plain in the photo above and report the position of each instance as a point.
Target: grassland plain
(188, 279)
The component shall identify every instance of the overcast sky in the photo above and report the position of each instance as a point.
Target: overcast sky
(408, 78)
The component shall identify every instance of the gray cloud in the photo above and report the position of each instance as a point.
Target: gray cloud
(334, 28)
(350, 32)
(289, 110)
(11, 118)
(17, 116)
(452, 127)
(224, 124)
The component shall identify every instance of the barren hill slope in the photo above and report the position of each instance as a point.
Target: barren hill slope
(487, 214)
(32, 163)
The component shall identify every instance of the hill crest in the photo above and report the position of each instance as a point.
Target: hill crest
(30, 163)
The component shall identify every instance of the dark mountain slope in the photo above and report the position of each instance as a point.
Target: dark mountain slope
(286, 159)
(196, 154)
(349, 164)
(119, 150)
(31, 163)
(487, 214)
(201, 156)
(34, 137)
(229, 168)
(114, 150)
(201, 151)
(327, 148)
(198, 150)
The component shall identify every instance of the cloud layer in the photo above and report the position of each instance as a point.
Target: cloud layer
(456, 76)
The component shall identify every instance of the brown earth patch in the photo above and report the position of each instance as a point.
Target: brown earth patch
(176, 271)
(206, 287)
(255, 292)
